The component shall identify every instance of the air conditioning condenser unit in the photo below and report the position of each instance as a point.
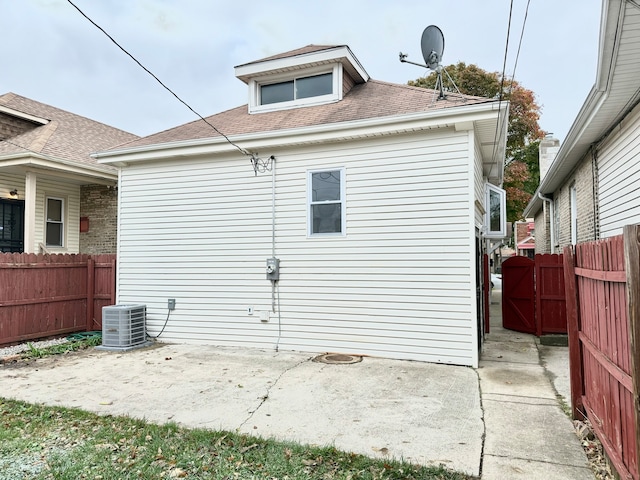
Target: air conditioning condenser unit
(124, 327)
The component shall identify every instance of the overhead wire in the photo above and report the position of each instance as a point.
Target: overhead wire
(242, 150)
(515, 65)
(501, 91)
(524, 23)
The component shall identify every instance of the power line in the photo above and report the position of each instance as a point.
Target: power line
(515, 65)
(242, 150)
(524, 23)
(504, 67)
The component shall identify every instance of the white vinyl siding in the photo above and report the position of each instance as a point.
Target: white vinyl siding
(399, 285)
(478, 185)
(619, 178)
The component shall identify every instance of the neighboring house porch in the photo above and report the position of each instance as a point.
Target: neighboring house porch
(48, 180)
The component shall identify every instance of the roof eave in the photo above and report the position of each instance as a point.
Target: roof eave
(32, 160)
(259, 141)
(578, 140)
(341, 54)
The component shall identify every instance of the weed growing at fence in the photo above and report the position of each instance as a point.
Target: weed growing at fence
(71, 346)
(46, 442)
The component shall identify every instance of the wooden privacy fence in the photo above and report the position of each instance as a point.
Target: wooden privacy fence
(602, 294)
(46, 295)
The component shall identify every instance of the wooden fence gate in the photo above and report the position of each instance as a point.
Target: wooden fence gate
(47, 295)
(518, 295)
(533, 299)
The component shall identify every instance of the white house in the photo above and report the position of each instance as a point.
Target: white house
(371, 195)
(590, 189)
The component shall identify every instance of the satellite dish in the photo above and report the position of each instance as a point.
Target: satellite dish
(432, 44)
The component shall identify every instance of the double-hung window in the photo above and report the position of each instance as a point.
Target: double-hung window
(54, 234)
(326, 202)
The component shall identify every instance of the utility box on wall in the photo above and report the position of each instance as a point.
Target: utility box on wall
(273, 269)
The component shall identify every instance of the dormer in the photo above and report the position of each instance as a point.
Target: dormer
(14, 122)
(308, 76)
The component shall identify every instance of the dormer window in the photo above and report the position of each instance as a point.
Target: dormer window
(298, 88)
(308, 76)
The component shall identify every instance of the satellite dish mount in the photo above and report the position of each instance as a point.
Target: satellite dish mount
(432, 45)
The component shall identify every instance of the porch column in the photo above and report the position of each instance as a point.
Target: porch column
(30, 213)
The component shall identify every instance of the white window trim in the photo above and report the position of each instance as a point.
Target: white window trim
(496, 234)
(63, 213)
(343, 203)
(255, 84)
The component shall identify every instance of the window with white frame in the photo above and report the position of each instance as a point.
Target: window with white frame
(326, 202)
(298, 88)
(54, 234)
(495, 212)
(317, 86)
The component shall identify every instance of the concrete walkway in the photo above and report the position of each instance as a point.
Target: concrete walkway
(528, 436)
(501, 421)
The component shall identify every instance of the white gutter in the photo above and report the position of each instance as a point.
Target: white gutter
(258, 140)
(576, 143)
(60, 165)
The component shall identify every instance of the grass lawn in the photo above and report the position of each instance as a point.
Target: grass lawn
(38, 442)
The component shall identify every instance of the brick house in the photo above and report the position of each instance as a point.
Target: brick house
(589, 189)
(54, 197)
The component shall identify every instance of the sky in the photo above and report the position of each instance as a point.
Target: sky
(54, 55)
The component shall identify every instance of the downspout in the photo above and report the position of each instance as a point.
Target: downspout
(595, 185)
(551, 221)
(275, 287)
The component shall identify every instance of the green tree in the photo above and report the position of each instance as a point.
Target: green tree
(522, 173)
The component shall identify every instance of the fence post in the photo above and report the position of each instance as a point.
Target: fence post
(631, 238)
(573, 332)
(91, 287)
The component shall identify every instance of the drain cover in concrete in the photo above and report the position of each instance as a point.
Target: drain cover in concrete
(337, 358)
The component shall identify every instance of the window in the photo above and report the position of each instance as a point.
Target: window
(326, 202)
(55, 222)
(305, 87)
(495, 212)
(281, 91)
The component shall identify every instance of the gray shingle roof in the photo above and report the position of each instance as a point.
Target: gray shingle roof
(373, 99)
(66, 137)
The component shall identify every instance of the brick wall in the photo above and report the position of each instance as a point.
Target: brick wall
(99, 204)
(11, 126)
(582, 178)
(543, 244)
